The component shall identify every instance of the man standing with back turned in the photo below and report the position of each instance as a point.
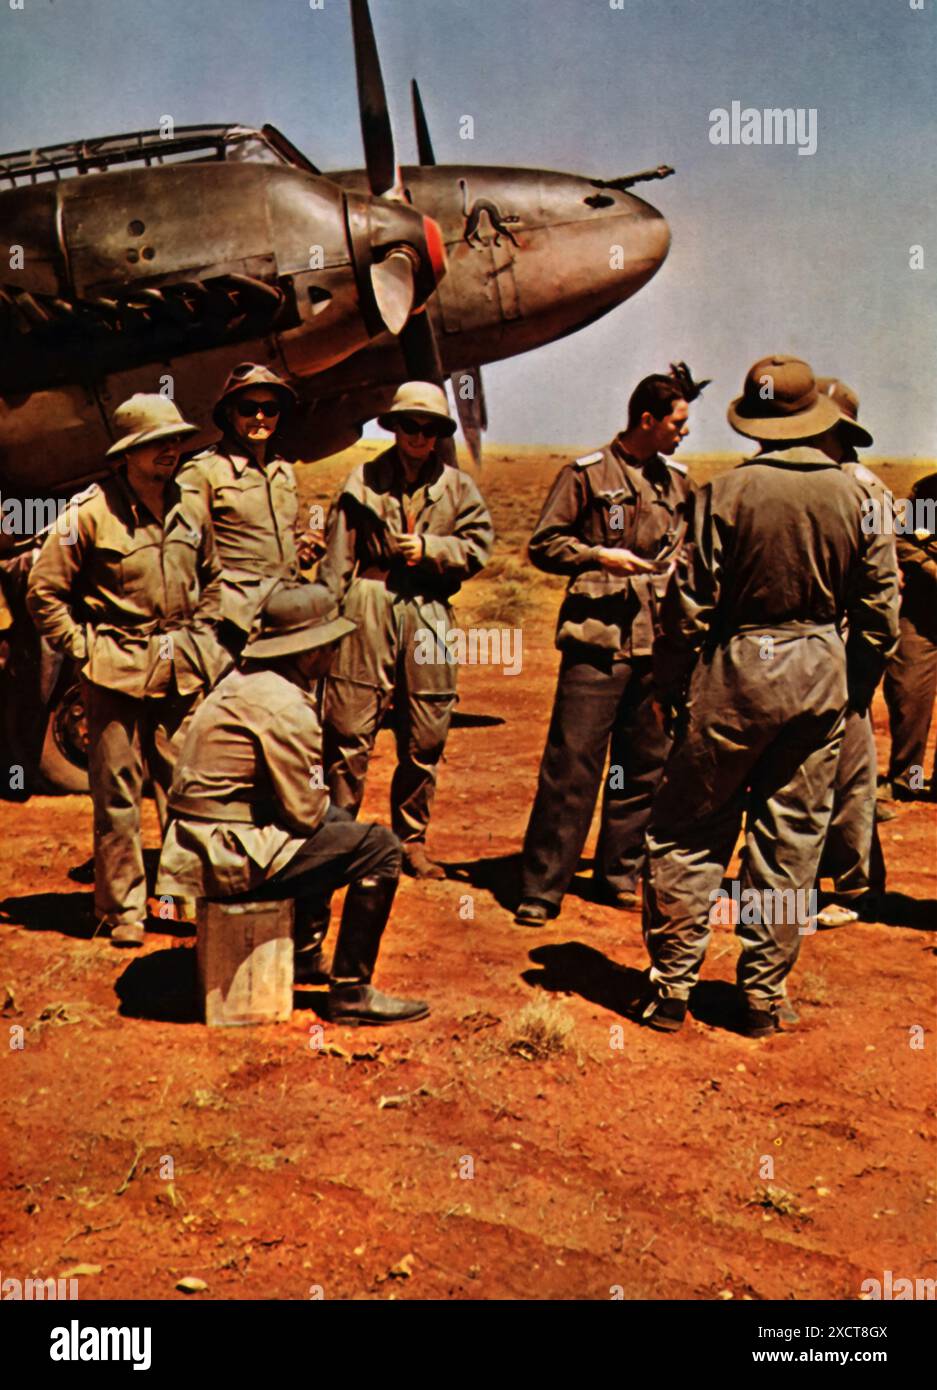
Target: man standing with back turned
(752, 659)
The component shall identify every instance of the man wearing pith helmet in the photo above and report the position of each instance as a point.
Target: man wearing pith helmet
(136, 599)
(250, 490)
(403, 535)
(251, 815)
(753, 671)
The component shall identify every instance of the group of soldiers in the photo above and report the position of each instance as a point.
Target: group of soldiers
(720, 647)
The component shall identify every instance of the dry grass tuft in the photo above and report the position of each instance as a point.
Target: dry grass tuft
(541, 1030)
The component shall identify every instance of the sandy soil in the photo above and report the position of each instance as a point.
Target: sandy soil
(440, 1160)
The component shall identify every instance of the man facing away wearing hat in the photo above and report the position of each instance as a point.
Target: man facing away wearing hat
(403, 535)
(250, 492)
(136, 598)
(251, 817)
(852, 855)
(753, 671)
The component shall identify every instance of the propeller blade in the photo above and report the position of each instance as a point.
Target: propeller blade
(423, 363)
(473, 413)
(394, 289)
(420, 350)
(376, 130)
(424, 144)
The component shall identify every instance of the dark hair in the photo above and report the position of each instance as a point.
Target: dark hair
(656, 394)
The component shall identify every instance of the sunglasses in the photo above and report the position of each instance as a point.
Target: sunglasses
(246, 407)
(411, 426)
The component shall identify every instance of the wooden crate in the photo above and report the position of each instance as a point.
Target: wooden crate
(245, 962)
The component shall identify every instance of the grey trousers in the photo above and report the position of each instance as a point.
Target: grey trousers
(852, 855)
(910, 687)
(762, 742)
(378, 664)
(602, 710)
(128, 738)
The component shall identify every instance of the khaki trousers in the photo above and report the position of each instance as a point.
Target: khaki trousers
(129, 738)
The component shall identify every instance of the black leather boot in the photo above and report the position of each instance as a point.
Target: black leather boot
(309, 932)
(352, 998)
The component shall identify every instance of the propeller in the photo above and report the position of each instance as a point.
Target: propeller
(418, 340)
(394, 289)
(376, 130)
(424, 144)
(473, 413)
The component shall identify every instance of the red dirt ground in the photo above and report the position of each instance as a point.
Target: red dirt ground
(432, 1161)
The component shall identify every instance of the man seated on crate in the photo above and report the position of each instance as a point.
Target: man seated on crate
(251, 816)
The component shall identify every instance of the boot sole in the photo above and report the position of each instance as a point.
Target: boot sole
(377, 1022)
(664, 1025)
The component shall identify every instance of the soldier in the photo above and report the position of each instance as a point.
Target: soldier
(911, 678)
(852, 855)
(136, 598)
(613, 521)
(751, 663)
(251, 816)
(250, 492)
(404, 533)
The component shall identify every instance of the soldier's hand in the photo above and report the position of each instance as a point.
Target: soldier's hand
(310, 547)
(623, 561)
(411, 548)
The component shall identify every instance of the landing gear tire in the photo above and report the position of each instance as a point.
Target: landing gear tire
(63, 762)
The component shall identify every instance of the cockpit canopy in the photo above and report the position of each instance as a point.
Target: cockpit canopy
(145, 149)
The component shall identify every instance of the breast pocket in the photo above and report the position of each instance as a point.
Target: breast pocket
(285, 501)
(614, 517)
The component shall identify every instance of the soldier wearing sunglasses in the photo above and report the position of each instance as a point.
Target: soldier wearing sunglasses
(250, 491)
(404, 533)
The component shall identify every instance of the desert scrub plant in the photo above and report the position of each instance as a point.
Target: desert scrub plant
(540, 1030)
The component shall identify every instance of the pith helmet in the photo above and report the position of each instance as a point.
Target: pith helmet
(297, 618)
(423, 398)
(780, 400)
(847, 402)
(144, 419)
(249, 374)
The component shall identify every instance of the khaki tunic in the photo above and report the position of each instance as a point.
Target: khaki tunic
(135, 600)
(254, 516)
(256, 739)
(610, 500)
(393, 603)
(752, 646)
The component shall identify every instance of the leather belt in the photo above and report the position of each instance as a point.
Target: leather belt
(208, 809)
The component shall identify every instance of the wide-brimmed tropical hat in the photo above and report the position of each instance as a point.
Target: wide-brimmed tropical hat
(242, 378)
(420, 398)
(296, 618)
(780, 400)
(847, 402)
(144, 419)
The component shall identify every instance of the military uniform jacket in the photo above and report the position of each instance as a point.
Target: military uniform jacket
(248, 788)
(610, 500)
(254, 514)
(133, 598)
(372, 511)
(776, 548)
